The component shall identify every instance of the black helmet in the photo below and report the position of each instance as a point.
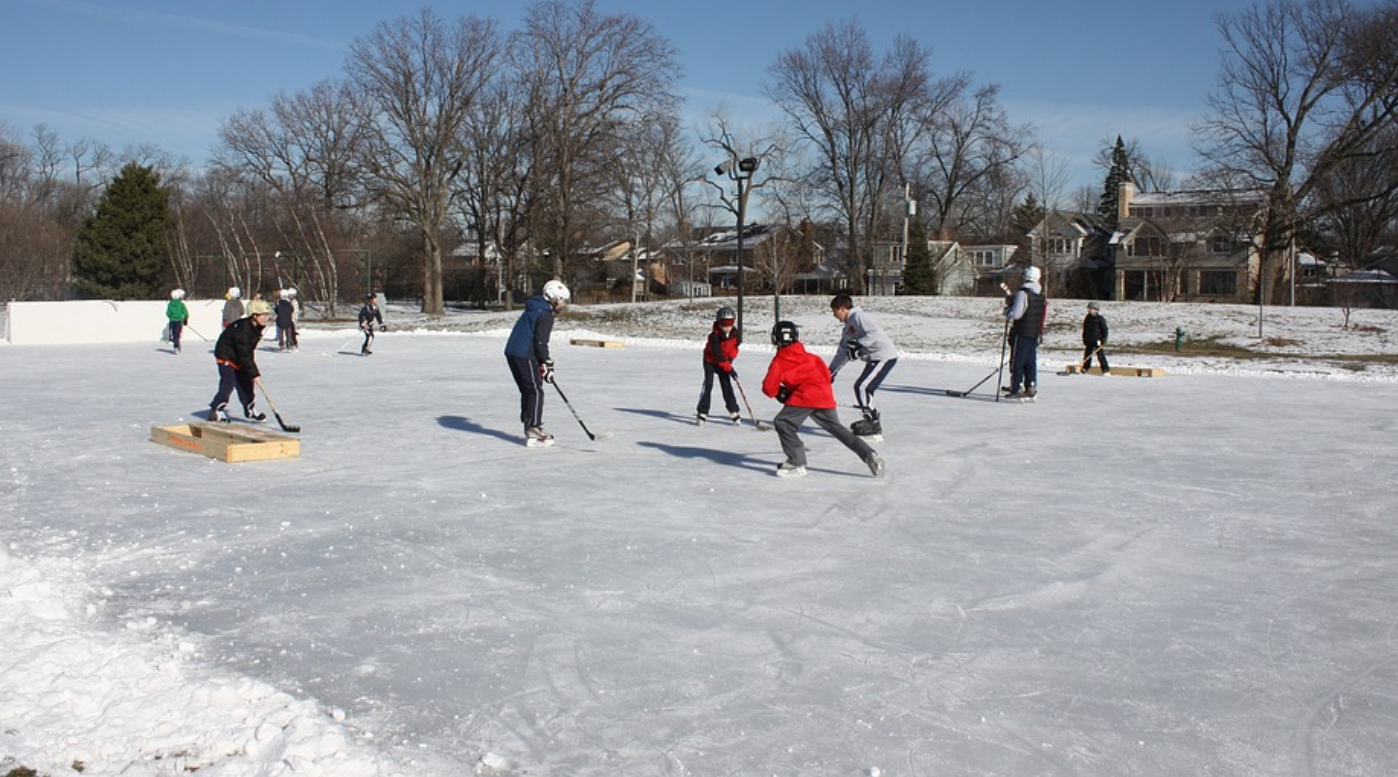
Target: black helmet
(725, 313)
(785, 333)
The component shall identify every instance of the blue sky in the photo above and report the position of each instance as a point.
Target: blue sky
(166, 72)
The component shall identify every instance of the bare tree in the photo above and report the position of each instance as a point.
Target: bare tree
(589, 76)
(1304, 86)
(850, 105)
(421, 78)
(495, 192)
(970, 140)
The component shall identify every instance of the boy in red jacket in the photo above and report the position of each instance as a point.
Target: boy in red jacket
(719, 353)
(801, 382)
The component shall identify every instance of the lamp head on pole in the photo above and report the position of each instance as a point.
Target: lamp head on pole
(748, 166)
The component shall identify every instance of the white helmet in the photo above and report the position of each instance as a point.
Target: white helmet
(234, 292)
(177, 294)
(555, 291)
(1031, 274)
(291, 291)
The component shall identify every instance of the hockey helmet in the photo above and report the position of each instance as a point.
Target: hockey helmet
(177, 294)
(555, 291)
(259, 308)
(1031, 274)
(785, 333)
(234, 292)
(725, 313)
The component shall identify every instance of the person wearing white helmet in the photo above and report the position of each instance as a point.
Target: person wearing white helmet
(527, 352)
(178, 315)
(286, 326)
(1025, 312)
(233, 308)
(235, 352)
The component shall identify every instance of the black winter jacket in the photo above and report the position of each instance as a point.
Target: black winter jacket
(1094, 330)
(237, 345)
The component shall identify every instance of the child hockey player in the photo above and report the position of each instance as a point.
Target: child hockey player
(863, 339)
(236, 354)
(368, 316)
(233, 308)
(1094, 338)
(801, 382)
(178, 316)
(719, 353)
(527, 351)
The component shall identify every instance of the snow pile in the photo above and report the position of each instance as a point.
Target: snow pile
(84, 698)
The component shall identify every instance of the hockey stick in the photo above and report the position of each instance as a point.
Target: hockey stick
(196, 331)
(761, 426)
(284, 425)
(997, 371)
(590, 435)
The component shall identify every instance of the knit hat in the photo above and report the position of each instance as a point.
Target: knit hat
(1093, 306)
(1031, 274)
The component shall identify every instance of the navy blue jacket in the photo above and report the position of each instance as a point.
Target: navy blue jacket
(530, 337)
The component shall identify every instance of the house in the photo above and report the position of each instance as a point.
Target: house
(1187, 245)
(1074, 251)
(987, 264)
(775, 258)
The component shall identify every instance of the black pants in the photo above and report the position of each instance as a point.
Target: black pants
(1087, 351)
(531, 390)
(725, 384)
(231, 378)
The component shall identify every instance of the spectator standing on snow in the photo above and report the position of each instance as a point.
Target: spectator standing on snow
(862, 338)
(1094, 338)
(719, 352)
(368, 316)
(801, 382)
(236, 355)
(286, 339)
(233, 308)
(1025, 312)
(178, 315)
(527, 352)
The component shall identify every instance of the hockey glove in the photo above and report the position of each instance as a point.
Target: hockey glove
(783, 394)
(383, 327)
(852, 348)
(546, 371)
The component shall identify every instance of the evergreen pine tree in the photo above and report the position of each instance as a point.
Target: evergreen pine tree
(1120, 171)
(121, 251)
(919, 276)
(1026, 216)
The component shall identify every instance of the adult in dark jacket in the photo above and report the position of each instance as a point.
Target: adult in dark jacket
(719, 352)
(801, 382)
(1025, 312)
(236, 354)
(286, 321)
(527, 351)
(1094, 338)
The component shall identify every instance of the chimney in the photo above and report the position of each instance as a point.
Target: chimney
(1124, 194)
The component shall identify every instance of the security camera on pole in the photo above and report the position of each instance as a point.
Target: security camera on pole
(741, 173)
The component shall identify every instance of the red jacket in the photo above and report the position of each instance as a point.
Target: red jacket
(722, 348)
(805, 374)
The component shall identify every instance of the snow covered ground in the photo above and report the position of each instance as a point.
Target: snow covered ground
(1190, 574)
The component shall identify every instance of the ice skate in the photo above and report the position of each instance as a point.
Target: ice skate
(788, 470)
(536, 437)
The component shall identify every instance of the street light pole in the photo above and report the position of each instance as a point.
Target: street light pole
(741, 173)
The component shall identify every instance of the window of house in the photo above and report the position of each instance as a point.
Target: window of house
(1057, 245)
(1218, 283)
(1222, 244)
(1146, 246)
(983, 258)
